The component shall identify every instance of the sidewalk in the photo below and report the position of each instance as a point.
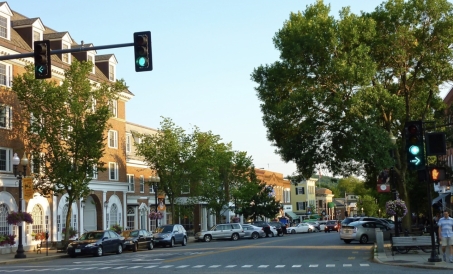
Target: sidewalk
(32, 256)
(414, 258)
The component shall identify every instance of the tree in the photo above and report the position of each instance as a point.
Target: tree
(67, 132)
(344, 85)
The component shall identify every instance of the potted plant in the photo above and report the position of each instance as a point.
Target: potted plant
(117, 228)
(396, 208)
(16, 218)
(155, 215)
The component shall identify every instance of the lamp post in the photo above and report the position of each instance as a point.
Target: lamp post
(379, 213)
(393, 183)
(19, 175)
(155, 180)
(362, 211)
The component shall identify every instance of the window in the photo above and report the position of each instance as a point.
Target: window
(95, 172)
(300, 205)
(38, 219)
(142, 184)
(128, 142)
(5, 75)
(151, 187)
(300, 190)
(37, 163)
(36, 36)
(113, 171)
(3, 27)
(91, 59)
(113, 106)
(130, 217)
(65, 56)
(111, 73)
(113, 138)
(6, 154)
(35, 123)
(113, 215)
(4, 226)
(130, 183)
(6, 115)
(185, 187)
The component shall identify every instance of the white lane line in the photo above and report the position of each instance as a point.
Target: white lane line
(198, 266)
(106, 267)
(330, 265)
(151, 266)
(347, 265)
(247, 266)
(166, 266)
(364, 265)
(297, 265)
(138, 266)
(280, 266)
(119, 267)
(230, 266)
(313, 265)
(182, 266)
(215, 266)
(263, 266)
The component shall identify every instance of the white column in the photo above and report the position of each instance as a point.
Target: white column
(204, 218)
(80, 218)
(54, 235)
(104, 215)
(124, 210)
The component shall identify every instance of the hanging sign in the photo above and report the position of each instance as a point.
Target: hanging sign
(27, 185)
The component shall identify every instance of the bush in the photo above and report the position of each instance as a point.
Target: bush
(117, 228)
(7, 240)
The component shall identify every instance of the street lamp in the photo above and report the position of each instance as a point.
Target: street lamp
(379, 213)
(19, 175)
(155, 180)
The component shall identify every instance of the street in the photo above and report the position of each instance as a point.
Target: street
(309, 253)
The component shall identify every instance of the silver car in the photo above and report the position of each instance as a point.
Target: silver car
(233, 231)
(363, 231)
(253, 232)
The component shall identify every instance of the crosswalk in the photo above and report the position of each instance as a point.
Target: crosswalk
(167, 266)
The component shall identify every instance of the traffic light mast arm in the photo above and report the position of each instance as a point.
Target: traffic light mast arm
(80, 49)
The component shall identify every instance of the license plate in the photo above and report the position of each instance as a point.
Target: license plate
(78, 251)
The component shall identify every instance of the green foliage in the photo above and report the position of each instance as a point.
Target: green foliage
(66, 136)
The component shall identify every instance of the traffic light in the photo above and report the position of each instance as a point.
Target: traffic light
(436, 144)
(142, 51)
(436, 174)
(415, 148)
(42, 59)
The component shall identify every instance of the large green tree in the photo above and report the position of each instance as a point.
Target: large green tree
(342, 86)
(66, 135)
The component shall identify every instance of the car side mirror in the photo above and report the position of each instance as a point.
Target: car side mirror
(105, 238)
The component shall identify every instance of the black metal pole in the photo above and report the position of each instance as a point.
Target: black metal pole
(155, 200)
(395, 196)
(20, 249)
(434, 257)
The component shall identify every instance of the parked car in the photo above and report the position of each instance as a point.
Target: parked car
(96, 243)
(332, 225)
(322, 225)
(301, 228)
(279, 227)
(170, 235)
(253, 232)
(138, 238)
(270, 231)
(316, 225)
(348, 220)
(233, 231)
(363, 231)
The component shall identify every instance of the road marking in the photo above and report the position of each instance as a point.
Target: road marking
(107, 267)
(230, 266)
(313, 265)
(182, 266)
(330, 265)
(166, 266)
(297, 265)
(214, 266)
(247, 265)
(263, 266)
(198, 266)
(364, 265)
(151, 266)
(280, 266)
(351, 258)
(138, 266)
(347, 265)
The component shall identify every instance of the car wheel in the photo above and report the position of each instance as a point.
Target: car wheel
(150, 246)
(293, 232)
(99, 252)
(184, 241)
(135, 247)
(172, 242)
(119, 249)
(255, 236)
(235, 237)
(207, 238)
(363, 239)
(309, 230)
(347, 241)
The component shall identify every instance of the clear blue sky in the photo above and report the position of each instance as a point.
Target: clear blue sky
(203, 55)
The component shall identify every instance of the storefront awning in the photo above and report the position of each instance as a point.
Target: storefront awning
(292, 215)
(442, 195)
(331, 205)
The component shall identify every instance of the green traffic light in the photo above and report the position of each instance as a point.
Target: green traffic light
(414, 150)
(141, 61)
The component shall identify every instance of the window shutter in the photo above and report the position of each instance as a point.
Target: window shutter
(297, 191)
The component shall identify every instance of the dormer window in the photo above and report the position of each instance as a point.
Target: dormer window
(91, 59)
(3, 27)
(111, 72)
(65, 56)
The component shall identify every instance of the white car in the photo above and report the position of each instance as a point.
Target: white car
(301, 228)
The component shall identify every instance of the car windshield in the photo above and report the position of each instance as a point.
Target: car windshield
(356, 223)
(92, 236)
(164, 229)
(133, 233)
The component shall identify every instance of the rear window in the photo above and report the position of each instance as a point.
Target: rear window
(331, 222)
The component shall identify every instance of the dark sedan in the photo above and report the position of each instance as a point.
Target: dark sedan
(139, 238)
(96, 243)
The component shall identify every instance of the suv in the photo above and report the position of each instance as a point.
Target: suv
(332, 225)
(232, 231)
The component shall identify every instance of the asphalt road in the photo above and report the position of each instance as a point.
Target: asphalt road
(301, 253)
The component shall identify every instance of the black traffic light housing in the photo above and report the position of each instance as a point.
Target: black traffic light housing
(42, 59)
(415, 148)
(436, 144)
(142, 51)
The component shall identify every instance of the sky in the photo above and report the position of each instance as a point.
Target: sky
(204, 52)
